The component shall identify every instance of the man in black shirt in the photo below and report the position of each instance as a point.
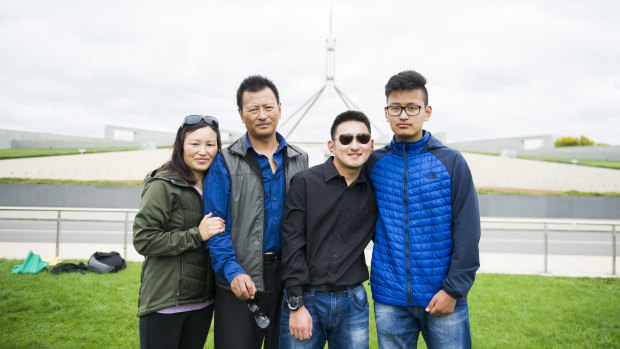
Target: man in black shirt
(329, 218)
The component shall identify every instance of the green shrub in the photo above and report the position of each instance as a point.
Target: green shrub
(572, 141)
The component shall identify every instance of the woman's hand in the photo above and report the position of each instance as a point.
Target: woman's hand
(210, 226)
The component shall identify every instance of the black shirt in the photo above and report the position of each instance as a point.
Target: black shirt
(325, 228)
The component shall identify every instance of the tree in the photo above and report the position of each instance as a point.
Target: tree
(572, 141)
(583, 140)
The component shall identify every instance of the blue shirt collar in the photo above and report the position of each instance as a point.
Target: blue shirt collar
(279, 138)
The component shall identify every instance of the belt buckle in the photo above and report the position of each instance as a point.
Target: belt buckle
(271, 257)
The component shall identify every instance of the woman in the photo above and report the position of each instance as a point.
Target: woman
(177, 288)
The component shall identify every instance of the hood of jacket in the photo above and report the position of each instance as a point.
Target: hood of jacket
(167, 175)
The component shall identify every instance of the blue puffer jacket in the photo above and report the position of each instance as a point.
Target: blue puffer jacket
(428, 228)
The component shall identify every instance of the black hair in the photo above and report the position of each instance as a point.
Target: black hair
(349, 115)
(407, 80)
(255, 83)
(177, 162)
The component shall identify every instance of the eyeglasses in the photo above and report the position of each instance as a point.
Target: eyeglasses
(411, 110)
(347, 138)
(194, 119)
(261, 319)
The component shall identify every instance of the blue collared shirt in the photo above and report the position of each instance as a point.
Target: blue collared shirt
(217, 200)
(274, 185)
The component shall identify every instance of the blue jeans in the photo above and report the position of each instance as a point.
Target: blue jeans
(399, 327)
(339, 318)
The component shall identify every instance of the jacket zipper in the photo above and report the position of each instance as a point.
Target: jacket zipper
(262, 188)
(176, 301)
(407, 230)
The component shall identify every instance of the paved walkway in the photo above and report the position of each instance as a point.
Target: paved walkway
(504, 263)
(488, 171)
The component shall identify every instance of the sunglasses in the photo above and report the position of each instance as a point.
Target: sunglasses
(262, 320)
(347, 138)
(194, 119)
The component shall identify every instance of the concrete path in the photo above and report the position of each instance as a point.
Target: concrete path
(497, 172)
(488, 171)
(504, 263)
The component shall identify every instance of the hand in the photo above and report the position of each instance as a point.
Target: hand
(300, 323)
(210, 226)
(243, 287)
(441, 304)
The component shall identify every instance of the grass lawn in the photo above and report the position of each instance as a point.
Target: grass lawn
(495, 191)
(29, 153)
(583, 162)
(16, 180)
(506, 311)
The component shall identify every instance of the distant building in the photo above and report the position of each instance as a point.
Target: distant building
(497, 146)
(115, 136)
(543, 146)
(158, 138)
(12, 139)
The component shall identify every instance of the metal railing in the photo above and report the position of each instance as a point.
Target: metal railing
(59, 218)
(546, 225)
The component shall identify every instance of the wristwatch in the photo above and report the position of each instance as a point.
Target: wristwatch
(295, 303)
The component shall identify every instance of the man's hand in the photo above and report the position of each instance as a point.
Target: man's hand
(243, 287)
(300, 323)
(441, 304)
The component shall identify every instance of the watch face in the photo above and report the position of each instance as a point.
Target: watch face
(294, 303)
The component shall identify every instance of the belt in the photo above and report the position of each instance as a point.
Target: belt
(272, 257)
(331, 288)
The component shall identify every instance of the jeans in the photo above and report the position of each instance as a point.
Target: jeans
(339, 318)
(399, 327)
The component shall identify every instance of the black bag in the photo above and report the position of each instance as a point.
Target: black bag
(106, 262)
(68, 268)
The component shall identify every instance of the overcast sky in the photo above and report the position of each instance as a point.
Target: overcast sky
(494, 68)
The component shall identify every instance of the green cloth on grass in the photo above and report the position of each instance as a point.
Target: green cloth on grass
(32, 265)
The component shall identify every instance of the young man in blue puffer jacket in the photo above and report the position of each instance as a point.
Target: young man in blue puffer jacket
(425, 253)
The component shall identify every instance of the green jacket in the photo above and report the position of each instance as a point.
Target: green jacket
(177, 268)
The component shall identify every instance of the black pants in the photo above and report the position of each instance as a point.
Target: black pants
(182, 330)
(235, 326)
